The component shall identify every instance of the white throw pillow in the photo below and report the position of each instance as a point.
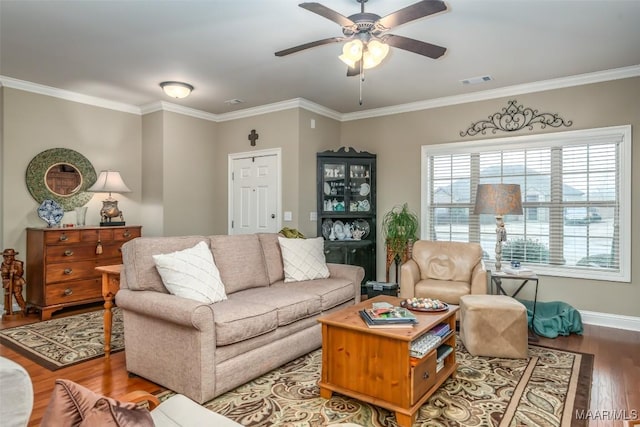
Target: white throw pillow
(191, 273)
(303, 259)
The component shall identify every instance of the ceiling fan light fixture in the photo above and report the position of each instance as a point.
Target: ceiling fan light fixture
(374, 54)
(176, 89)
(351, 52)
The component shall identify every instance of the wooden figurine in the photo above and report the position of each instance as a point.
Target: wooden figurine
(12, 283)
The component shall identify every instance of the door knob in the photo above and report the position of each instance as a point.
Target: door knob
(273, 215)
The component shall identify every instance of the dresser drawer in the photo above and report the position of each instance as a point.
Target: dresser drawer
(62, 237)
(65, 253)
(66, 271)
(423, 376)
(80, 290)
(124, 234)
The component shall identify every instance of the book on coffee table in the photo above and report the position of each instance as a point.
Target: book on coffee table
(372, 324)
(388, 315)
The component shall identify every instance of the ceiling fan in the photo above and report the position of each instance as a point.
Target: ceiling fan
(366, 34)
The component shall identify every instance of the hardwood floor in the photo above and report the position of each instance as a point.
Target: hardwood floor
(615, 391)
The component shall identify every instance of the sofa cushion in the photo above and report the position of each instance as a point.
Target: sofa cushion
(303, 259)
(240, 261)
(191, 273)
(139, 267)
(444, 290)
(446, 260)
(291, 304)
(238, 320)
(272, 256)
(332, 291)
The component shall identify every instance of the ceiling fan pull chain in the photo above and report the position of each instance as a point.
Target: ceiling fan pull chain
(361, 80)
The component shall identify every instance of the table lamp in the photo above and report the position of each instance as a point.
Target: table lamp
(110, 182)
(499, 200)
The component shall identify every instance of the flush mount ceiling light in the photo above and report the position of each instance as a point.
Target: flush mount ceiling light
(176, 89)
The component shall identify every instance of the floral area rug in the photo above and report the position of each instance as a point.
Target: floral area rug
(66, 341)
(545, 390)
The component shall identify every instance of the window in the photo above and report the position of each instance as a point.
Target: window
(576, 198)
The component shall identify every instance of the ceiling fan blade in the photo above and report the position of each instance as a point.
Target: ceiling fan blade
(415, 46)
(330, 14)
(354, 71)
(309, 45)
(410, 13)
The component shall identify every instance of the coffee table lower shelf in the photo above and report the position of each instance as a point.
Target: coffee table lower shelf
(375, 366)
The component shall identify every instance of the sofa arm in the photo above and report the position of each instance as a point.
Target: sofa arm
(479, 279)
(353, 273)
(167, 307)
(409, 276)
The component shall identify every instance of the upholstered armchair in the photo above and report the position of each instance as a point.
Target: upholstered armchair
(444, 271)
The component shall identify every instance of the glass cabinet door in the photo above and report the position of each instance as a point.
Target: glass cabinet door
(360, 188)
(334, 179)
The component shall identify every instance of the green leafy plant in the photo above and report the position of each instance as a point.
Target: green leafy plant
(400, 228)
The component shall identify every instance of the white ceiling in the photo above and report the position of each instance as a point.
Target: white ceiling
(121, 50)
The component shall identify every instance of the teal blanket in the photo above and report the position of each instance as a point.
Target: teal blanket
(554, 318)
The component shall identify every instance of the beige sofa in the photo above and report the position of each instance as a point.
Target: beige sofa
(203, 350)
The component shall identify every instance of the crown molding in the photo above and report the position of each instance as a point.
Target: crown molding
(67, 95)
(564, 82)
(280, 106)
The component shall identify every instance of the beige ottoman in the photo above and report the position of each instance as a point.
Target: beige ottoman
(493, 325)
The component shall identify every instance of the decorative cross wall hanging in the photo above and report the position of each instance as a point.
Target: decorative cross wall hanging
(253, 136)
(515, 117)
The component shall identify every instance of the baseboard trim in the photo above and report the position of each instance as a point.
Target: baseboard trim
(609, 320)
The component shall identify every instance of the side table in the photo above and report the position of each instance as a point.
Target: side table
(110, 286)
(496, 279)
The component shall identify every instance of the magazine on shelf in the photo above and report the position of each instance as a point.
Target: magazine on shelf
(441, 329)
(371, 324)
(443, 351)
(390, 315)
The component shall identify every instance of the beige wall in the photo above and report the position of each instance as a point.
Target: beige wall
(177, 166)
(397, 140)
(275, 130)
(189, 179)
(325, 136)
(34, 123)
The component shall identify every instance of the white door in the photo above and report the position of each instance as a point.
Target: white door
(254, 193)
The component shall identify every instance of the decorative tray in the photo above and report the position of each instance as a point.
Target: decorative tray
(424, 304)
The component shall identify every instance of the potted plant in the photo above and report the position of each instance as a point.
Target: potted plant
(400, 229)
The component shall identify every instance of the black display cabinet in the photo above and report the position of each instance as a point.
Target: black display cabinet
(347, 208)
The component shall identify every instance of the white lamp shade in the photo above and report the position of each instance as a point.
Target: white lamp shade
(351, 52)
(176, 89)
(109, 182)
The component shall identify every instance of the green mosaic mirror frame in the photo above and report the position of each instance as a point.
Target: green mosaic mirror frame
(41, 163)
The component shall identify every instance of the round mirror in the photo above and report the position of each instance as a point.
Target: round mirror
(62, 175)
(63, 179)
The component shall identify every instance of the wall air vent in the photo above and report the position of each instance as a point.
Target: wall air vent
(476, 80)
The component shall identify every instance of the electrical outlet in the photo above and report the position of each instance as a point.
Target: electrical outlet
(313, 216)
(288, 216)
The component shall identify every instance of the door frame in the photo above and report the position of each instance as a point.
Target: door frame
(257, 153)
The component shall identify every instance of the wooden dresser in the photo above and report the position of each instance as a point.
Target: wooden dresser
(61, 264)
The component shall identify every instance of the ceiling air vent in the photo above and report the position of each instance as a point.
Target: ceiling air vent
(476, 80)
(233, 101)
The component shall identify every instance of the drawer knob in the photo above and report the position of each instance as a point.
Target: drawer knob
(425, 376)
(68, 271)
(68, 253)
(68, 292)
(63, 237)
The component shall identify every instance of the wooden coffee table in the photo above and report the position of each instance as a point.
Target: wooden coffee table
(375, 365)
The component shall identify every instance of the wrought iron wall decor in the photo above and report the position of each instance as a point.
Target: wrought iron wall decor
(515, 117)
